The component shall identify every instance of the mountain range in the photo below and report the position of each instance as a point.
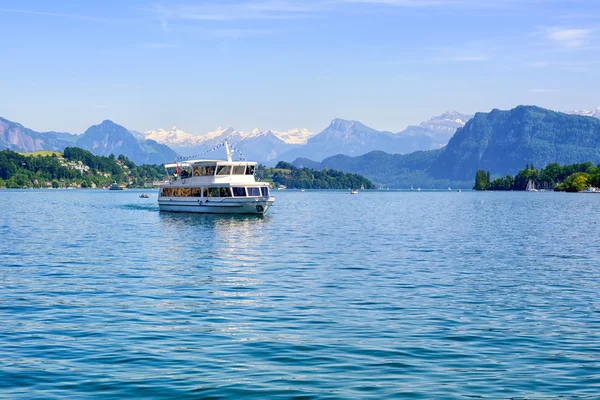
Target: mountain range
(110, 138)
(502, 142)
(352, 138)
(16, 137)
(499, 141)
(340, 137)
(587, 113)
(103, 139)
(263, 146)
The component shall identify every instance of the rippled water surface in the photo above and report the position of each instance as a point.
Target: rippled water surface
(384, 294)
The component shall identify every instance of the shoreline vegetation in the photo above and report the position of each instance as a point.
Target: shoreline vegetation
(566, 178)
(78, 168)
(287, 175)
(74, 168)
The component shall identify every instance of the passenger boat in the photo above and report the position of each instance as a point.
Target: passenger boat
(215, 186)
(115, 186)
(354, 191)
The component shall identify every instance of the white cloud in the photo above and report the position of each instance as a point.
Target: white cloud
(569, 37)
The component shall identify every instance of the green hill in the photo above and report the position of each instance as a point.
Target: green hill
(306, 178)
(73, 168)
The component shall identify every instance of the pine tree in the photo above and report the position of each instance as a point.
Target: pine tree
(482, 181)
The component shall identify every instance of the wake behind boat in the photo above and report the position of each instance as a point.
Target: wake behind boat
(215, 186)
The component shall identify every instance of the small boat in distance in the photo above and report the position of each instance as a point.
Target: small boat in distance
(354, 191)
(530, 186)
(302, 190)
(115, 186)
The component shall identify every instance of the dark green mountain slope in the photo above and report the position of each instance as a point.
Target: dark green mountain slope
(390, 170)
(504, 141)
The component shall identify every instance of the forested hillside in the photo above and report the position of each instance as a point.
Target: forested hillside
(73, 168)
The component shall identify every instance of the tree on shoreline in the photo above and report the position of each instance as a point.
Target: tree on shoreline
(568, 178)
(482, 180)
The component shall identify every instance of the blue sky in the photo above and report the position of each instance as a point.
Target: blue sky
(282, 64)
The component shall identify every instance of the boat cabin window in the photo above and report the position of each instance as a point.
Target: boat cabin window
(184, 192)
(239, 169)
(239, 191)
(265, 191)
(250, 170)
(224, 192)
(213, 192)
(206, 170)
(224, 170)
(253, 192)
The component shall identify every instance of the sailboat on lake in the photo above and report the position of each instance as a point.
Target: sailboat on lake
(530, 186)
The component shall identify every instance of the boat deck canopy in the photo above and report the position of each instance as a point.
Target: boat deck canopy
(191, 163)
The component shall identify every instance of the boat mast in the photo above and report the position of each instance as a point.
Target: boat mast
(229, 153)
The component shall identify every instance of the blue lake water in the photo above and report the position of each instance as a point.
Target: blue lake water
(384, 294)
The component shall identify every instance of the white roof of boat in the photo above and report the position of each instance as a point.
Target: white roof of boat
(209, 162)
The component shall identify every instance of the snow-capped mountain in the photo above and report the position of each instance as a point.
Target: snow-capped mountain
(353, 138)
(340, 137)
(173, 137)
(295, 136)
(178, 138)
(448, 122)
(263, 146)
(587, 113)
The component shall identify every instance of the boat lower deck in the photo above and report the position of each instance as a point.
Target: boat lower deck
(217, 206)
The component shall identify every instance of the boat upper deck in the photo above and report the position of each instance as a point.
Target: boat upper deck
(204, 172)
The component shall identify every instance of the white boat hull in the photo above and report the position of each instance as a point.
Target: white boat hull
(219, 206)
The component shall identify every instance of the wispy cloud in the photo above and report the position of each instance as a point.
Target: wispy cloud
(464, 4)
(470, 58)
(236, 11)
(53, 14)
(569, 37)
